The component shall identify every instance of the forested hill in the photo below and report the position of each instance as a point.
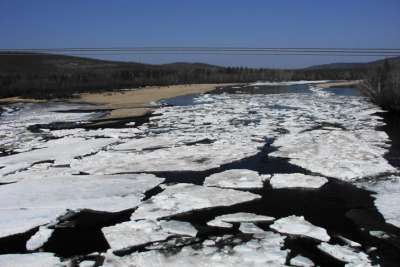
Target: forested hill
(393, 60)
(46, 75)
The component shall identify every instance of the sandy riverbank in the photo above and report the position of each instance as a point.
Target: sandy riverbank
(339, 84)
(137, 102)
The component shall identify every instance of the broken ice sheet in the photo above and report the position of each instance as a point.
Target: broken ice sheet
(14, 133)
(346, 254)
(183, 198)
(30, 260)
(146, 143)
(183, 158)
(333, 153)
(225, 221)
(38, 171)
(301, 261)
(265, 250)
(297, 180)
(61, 151)
(250, 228)
(387, 198)
(298, 226)
(39, 238)
(31, 203)
(239, 179)
(136, 233)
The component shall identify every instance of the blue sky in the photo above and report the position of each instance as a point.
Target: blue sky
(251, 23)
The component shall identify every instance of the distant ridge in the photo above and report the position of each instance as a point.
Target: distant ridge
(393, 60)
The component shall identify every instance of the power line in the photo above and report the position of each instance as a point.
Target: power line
(195, 48)
(199, 53)
(231, 51)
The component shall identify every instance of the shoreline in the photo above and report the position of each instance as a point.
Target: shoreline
(126, 103)
(338, 84)
(138, 102)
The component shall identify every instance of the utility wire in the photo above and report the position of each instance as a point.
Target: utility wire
(231, 51)
(198, 53)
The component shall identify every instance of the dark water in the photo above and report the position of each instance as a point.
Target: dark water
(275, 89)
(344, 91)
(185, 100)
(392, 128)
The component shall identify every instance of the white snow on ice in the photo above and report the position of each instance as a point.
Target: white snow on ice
(30, 260)
(301, 261)
(297, 180)
(226, 220)
(39, 238)
(239, 179)
(346, 254)
(136, 233)
(183, 198)
(31, 203)
(387, 198)
(265, 250)
(298, 226)
(61, 151)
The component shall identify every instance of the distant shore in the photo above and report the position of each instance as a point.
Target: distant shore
(339, 84)
(138, 102)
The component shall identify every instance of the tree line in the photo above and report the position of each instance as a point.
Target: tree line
(382, 85)
(65, 76)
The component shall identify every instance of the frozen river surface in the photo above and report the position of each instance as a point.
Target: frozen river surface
(269, 174)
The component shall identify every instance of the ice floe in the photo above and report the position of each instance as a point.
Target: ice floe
(333, 153)
(183, 158)
(226, 220)
(147, 143)
(301, 261)
(183, 198)
(14, 133)
(30, 260)
(136, 233)
(61, 151)
(349, 242)
(298, 226)
(250, 228)
(325, 134)
(87, 263)
(38, 171)
(265, 250)
(39, 238)
(239, 179)
(297, 180)
(346, 254)
(387, 198)
(31, 203)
